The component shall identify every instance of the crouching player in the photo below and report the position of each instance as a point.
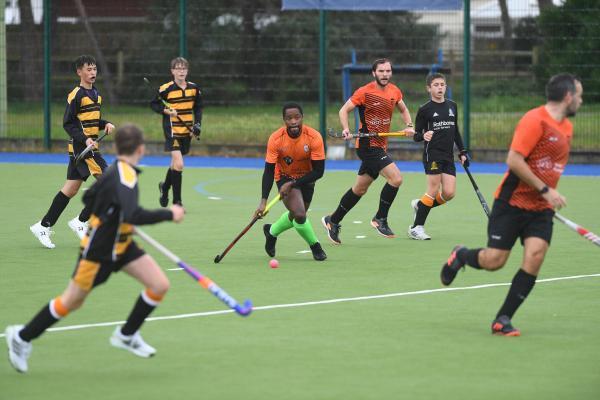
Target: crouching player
(107, 247)
(437, 125)
(295, 159)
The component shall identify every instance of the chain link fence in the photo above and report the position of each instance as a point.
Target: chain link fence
(249, 57)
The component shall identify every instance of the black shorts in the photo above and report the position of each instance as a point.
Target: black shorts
(181, 143)
(307, 190)
(374, 159)
(88, 274)
(439, 167)
(507, 223)
(94, 165)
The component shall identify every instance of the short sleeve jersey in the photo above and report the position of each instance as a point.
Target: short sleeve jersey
(292, 156)
(375, 108)
(545, 144)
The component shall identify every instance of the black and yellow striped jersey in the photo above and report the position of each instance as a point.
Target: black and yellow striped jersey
(115, 211)
(82, 118)
(187, 102)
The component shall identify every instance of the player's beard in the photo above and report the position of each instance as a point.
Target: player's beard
(294, 132)
(381, 83)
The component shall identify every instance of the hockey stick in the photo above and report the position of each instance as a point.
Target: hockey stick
(89, 148)
(484, 203)
(339, 135)
(167, 105)
(204, 281)
(592, 237)
(219, 257)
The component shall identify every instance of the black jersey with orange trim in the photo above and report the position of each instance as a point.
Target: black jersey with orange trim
(375, 108)
(187, 102)
(82, 119)
(115, 211)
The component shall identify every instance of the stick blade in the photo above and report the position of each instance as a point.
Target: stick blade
(217, 259)
(246, 309)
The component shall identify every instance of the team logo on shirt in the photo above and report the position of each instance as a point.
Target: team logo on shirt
(434, 166)
(450, 113)
(435, 114)
(306, 148)
(288, 160)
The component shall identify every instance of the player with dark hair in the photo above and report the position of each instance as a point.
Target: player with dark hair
(108, 247)
(376, 102)
(82, 121)
(295, 160)
(526, 198)
(437, 125)
(183, 114)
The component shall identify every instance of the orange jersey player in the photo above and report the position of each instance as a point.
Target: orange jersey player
(526, 198)
(295, 160)
(376, 102)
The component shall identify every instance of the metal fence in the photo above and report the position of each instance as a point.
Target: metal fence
(246, 55)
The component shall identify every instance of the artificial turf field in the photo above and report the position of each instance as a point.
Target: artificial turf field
(420, 342)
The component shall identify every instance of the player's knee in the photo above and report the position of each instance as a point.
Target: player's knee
(300, 218)
(159, 288)
(395, 181)
(68, 191)
(496, 262)
(72, 303)
(448, 195)
(360, 190)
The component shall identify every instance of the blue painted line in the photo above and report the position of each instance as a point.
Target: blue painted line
(258, 163)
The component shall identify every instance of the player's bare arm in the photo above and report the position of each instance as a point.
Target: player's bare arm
(346, 108)
(406, 117)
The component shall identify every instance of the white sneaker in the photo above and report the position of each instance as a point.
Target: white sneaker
(133, 343)
(415, 205)
(42, 234)
(418, 233)
(80, 228)
(18, 349)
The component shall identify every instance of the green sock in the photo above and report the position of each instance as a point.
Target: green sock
(281, 225)
(306, 231)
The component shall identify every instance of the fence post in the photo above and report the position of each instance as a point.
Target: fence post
(3, 82)
(466, 73)
(323, 74)
(182, 29)
(47, 114)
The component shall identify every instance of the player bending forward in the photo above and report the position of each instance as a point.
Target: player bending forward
(107, 248)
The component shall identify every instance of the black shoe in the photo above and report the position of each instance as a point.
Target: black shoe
(503, 327)
(270, 240)
(318, 253)
(382, 227)
(333, 229)
(451, 267)
(163, 200)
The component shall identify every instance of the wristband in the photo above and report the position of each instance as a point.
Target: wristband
(544, 190)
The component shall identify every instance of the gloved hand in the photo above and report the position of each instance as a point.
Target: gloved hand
(466, 163)
(196, 130)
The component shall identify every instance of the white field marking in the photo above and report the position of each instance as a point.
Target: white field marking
(174, 269)
(357, 222)
(360, 237)
(303, 251)
(318, 302)
(214, 198)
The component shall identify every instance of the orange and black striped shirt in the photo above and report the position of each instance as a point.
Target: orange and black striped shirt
(82, 119)
(187, 102)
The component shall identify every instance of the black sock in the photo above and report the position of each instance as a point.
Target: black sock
(521, 285)
(136, 318)
(38, 324)
(84, 215)
(469, 257)
(422, 213)
(59, 203)
(167, 184)
(176, 182)
(388, 194)
(349, 200)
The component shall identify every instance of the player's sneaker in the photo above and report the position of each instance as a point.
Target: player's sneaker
(418, 233)
(80, 228)
(415, 206)
(163, 200)
(42, 233)
(133, 343)
(318, 253)
(18, 349)
(451, 267)
(270, 240)
(382, 227)
(503, 327)
(333, 229)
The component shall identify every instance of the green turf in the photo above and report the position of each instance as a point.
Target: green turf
(419, 346)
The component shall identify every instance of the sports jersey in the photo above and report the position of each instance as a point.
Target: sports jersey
(187, 102)
(115, 211)
(545, 144)
(375, 108)
(441, 118)
(292, 156)
(82, 119)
